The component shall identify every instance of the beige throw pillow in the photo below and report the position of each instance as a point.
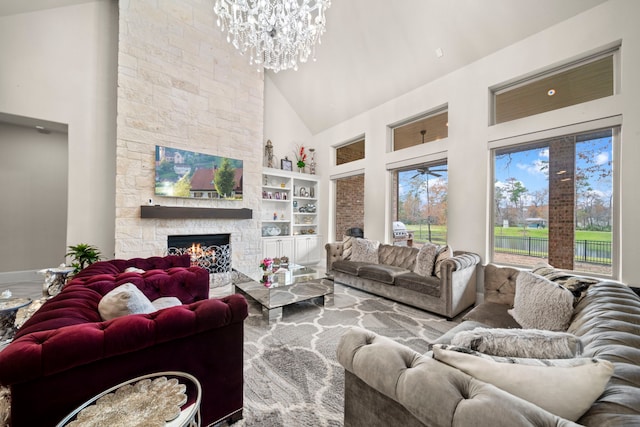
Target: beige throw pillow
(565, 363)
(535, 343)
(541, 304)
(565, 391)
(123, 300)
(426, 259)
(365, 250)
(444, 253)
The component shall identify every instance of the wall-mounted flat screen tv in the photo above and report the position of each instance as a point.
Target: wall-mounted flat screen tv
(182, 173)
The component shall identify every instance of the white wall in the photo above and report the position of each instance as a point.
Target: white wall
(59, 65)
(33, 173)
(282, 125)
(467, 148)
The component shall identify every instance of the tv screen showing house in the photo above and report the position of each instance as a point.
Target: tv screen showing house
(182, 173)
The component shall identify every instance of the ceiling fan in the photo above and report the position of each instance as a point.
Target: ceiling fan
(428, 170)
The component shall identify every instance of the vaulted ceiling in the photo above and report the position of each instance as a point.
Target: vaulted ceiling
(376, 50)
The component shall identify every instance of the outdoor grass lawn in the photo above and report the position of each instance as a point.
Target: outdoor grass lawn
(421, 232)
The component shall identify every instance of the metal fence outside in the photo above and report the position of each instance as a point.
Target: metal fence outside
(589, 251)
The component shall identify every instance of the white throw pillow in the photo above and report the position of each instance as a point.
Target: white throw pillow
(565, 391)
(123, 300)
(134, 270)
(535, 343)
(541, 304)
(444, 253)
(426, 259)
(165, 302)
(365, 250)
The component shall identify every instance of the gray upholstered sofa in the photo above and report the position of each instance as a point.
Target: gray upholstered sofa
(386, 383)
(393, 277)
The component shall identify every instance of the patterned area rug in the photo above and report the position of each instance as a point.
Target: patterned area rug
(291, 373)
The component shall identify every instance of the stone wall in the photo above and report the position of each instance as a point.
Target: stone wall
(180, 84)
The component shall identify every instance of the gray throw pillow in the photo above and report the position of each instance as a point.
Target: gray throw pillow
(365, 250)
(541, 304)
(444, 253)
(566, 363)
(533, 343)
(426, 259)
(165, 302)
(347, 247)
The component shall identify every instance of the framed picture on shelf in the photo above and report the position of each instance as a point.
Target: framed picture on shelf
(286, 164)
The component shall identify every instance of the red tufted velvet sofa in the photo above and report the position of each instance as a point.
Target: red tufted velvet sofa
(65, 354)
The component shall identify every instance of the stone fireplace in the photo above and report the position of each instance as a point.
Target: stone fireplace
(180, 84)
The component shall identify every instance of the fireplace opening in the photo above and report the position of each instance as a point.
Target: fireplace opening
(209, 251)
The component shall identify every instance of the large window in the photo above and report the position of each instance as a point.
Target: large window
(421, 201)
(553, 202)
(350, 152)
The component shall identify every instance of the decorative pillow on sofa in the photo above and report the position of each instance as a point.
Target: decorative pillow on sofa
(123, 300)
(444, 253)
(541, 304)
(576, 284)
(426, 259)
(165, 302)
(534, 343)
(565, 391)
(134, 270)
(530, 361)
(347, 247)
(365, 250)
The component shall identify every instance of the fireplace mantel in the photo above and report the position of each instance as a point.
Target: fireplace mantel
(181, 212)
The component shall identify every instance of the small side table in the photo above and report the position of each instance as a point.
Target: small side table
(54, 280)
(8, 309)
(129, 403)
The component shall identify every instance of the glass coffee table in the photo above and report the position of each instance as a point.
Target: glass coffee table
(306, 284)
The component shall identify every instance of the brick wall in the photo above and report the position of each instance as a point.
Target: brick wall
(561, 202)
(180, 84)
(349, 204)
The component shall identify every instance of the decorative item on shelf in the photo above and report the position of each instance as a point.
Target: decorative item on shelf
(274, 34)
(266, 180)
(275, 216)
(286, 164)
(282, 185)
(284, 261)
(273, 231)
(268, 154)
(312, 163)
(301, 158)
(312, 192)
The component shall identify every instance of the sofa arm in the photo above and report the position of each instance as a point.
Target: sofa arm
(334, 253)
(48, 352)
(434, 393)
(458, 281)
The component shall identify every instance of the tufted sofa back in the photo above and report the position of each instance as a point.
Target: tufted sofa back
(398, 256)
(500, 284)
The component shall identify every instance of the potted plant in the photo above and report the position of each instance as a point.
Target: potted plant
(83, 255)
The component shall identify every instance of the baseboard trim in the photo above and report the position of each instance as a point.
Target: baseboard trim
(21, 276)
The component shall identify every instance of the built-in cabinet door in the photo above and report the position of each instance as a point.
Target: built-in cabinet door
(307, 250)
(276, 248)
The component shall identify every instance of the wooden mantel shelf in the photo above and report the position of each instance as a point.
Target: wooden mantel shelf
(180, 212)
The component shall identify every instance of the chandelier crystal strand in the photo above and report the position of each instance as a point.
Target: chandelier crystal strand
(276, 34)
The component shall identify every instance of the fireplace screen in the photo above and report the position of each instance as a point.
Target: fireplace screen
(210, 251)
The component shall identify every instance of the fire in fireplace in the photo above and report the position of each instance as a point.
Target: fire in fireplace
(209, 251)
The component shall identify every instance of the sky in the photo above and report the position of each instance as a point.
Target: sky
(528, 166)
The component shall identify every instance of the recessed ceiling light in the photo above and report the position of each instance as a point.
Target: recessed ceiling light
(551, 92)
(439, 53)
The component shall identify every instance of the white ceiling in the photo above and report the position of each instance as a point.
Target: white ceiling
(373, 52)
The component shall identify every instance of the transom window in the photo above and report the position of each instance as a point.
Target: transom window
(426, 129)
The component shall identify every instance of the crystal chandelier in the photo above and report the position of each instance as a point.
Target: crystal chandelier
(276, 33)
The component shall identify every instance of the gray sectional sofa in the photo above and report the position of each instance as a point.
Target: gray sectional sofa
(393, 277)
(387, 383)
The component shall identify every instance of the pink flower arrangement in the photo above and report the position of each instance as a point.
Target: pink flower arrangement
(301, 157)
(266, 263)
